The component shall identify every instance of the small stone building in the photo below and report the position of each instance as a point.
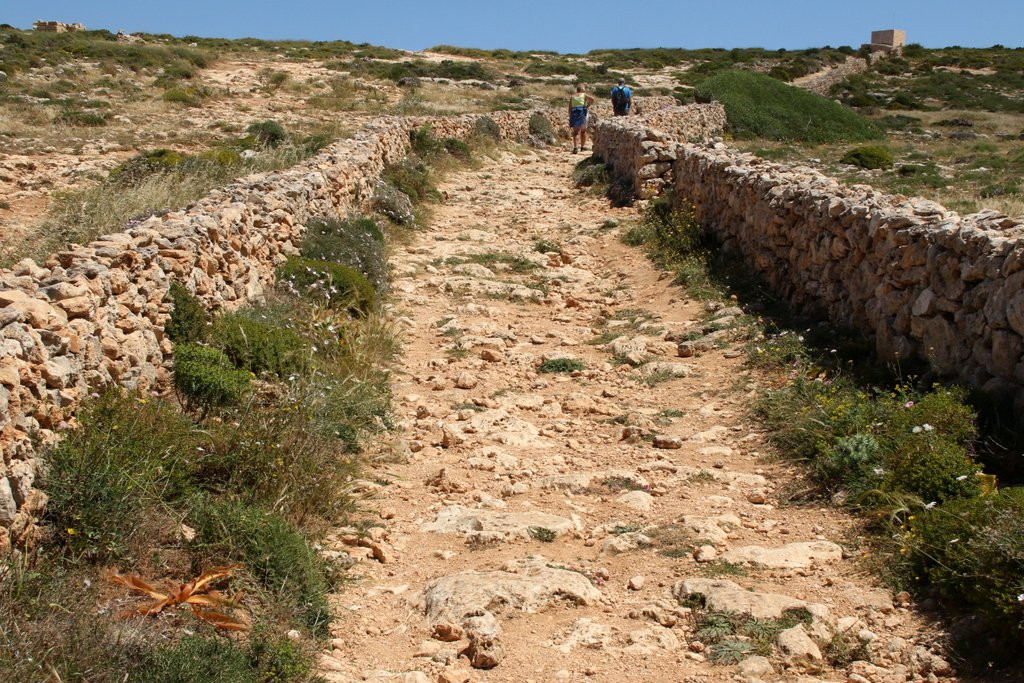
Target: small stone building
(891, 41)
(57, 27)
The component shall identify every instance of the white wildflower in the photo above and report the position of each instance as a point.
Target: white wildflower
(928, 427)
(930, 505)
(916, 430)
(961, 477)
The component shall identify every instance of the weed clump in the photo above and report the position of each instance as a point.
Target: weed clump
(260, 346)
(337, 286)
(411, 177)
(591, 172)
(271, 550)
(127, 456)
(485, 128)
(207, 659)
(540, 127)
(869, 157)
(972, 550)
(267, 133)
(76, 117)
(561, 365)
(189, 96)
(356, 242)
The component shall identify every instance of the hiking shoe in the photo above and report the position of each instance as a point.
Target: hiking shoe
(574, 150)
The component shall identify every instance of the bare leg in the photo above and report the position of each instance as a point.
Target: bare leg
(583, 138)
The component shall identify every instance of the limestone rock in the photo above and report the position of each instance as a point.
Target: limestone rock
(522, 585)
(789, 556)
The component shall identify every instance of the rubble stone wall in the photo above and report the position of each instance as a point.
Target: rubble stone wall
(822, 82)
(93, 316)
(921, 280)
(642, 149)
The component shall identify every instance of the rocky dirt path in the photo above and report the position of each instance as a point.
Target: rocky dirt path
(560, 526)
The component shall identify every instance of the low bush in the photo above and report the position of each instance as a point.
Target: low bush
(561, 365)
(272, 552)
(127, 455)
(76, 117)
(356, 242)
(333, 284)
(758, 105)
(189, 321)
(591, 172)
(869, 157)
(132, 172)
(900, 442)
(267, 133)
(260, 346)
(457, 148)
(972, 551)
(675, 231)
(485, 128)
(206, 658)
(393, 204)
(540, 126)
(206, 378)
(188, 96)
(412, 177)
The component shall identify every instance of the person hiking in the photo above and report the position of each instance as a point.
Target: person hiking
(579, 105)
(622, 98)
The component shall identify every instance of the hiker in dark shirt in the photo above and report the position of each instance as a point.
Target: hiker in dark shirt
(622, 98)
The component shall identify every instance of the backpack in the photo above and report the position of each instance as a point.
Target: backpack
(620, 99)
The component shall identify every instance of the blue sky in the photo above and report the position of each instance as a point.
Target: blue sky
(549, 24)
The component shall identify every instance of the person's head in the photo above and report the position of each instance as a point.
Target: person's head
(580, 88)
(622, 81)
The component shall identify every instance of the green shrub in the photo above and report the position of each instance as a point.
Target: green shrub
(356, 242)
(132, 172)
(258, 346)
(485, 128)
(561, 365)
(199, 659)
(271, 550)
(75, 117)
(540, 126)
(278, 659)
(871, 157)
(267, 658)
(267, 133)
(423, 143)
(127, 455)
(972, 551)
(338, 286)
(457, 148)
(590, 172)
(898, 442)
(189, 321)
(411, 177)
(758, 105)
(675, 231)
(206, 378)
(188, 96)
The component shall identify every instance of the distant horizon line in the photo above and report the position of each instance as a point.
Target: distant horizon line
(531, 50)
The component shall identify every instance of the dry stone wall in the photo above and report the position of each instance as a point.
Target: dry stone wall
(642, 149)
(822, 81)
(921, 280)
(93, 316)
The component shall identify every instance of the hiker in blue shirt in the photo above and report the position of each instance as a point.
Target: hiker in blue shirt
(622, 98)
